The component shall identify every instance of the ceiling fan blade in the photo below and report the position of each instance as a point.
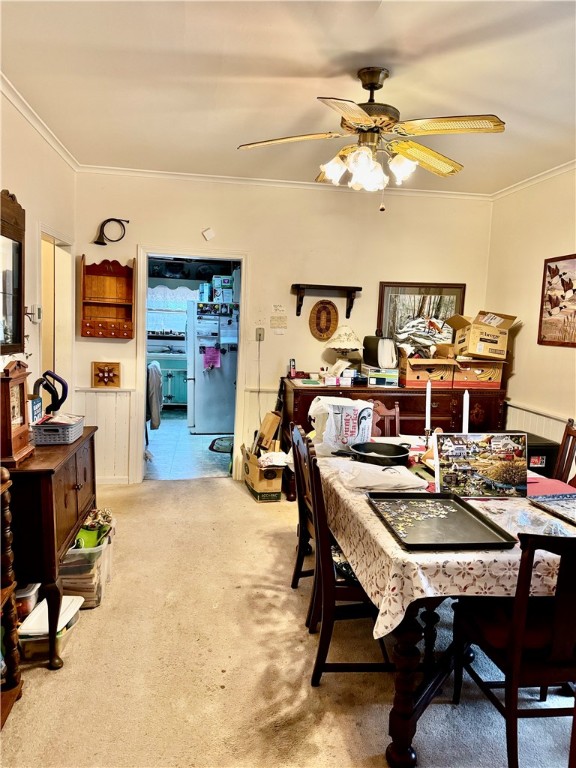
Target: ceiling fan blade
(425, 157)
(350, 111)
(288, 139)
(458, 124)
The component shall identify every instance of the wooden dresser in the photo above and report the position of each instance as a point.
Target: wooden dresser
(487, 409)
(52, 493)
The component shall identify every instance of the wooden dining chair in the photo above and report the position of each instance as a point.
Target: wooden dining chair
(532, 640)
(341, 596)
(566, 455)
(385, 421)
(302, 451)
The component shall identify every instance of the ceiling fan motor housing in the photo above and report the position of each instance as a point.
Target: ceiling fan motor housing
(384, 117)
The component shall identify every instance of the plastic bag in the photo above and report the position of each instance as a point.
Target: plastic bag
(340, 422)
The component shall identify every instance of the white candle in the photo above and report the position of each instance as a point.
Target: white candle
(428, 404)
(465, 411)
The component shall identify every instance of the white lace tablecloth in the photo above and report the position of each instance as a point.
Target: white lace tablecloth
(394, 577)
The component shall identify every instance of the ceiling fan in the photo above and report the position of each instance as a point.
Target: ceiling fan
(379, 129)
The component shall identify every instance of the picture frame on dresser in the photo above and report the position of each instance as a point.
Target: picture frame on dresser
(557, 321)
(410, 312)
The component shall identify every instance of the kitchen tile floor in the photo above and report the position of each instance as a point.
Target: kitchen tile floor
(178, 455)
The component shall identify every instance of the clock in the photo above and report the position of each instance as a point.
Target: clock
(15, 444)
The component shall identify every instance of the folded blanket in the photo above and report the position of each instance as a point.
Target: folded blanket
(361, 476)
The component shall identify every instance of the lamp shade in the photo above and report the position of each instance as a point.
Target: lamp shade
(344, 338)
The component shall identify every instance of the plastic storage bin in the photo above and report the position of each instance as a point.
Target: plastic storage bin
(33, 632)
(86, 571)
(50, 433)
(26, 599)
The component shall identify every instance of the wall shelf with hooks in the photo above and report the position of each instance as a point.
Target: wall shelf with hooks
(302, 288)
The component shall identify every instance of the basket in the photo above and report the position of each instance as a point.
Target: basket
(57, 434)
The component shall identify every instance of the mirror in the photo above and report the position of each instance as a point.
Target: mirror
(12, 275)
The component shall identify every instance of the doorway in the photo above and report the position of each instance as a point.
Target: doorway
(187, 297)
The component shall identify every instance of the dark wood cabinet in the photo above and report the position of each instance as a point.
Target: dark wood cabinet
(51, 495)
(486, 408)
(12, 682)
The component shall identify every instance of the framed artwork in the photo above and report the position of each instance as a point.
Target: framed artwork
(415, 314)
(557, 326)
(105, 374)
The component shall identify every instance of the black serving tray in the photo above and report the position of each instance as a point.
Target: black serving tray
(437, 521)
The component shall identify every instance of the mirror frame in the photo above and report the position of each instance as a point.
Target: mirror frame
(13, 227)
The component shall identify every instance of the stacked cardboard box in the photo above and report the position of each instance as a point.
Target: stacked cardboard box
(264, 483)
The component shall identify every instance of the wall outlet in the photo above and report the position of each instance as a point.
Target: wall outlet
(259, 334)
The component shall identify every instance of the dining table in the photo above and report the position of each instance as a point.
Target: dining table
(407, 585)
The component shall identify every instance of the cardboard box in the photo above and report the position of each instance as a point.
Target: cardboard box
(415, 372)
(486, 336)
(381, 377)
(264, 483)
(265, 434)
(478, 374)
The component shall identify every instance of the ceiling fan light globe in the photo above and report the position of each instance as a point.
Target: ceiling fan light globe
(360, 160)
(401, 167)
(334, 170)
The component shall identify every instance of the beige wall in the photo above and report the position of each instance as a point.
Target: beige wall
(289, 235)
(306, 234)
(45, 187)
(534, 223)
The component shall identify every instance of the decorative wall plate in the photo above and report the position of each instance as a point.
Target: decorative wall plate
(105, 374)
(323, 320)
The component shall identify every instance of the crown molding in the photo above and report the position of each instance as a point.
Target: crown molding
(246, 181)
(559, 170)
(17, 101)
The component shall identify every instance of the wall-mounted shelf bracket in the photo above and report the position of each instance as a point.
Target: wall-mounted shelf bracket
(302, 288)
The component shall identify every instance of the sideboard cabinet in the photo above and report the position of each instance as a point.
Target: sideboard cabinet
(52, 493)
(486, 408)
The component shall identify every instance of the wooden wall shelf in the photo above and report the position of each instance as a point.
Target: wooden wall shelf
(108, 300)
(302, 288)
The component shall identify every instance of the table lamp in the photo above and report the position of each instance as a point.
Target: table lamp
(345, 343)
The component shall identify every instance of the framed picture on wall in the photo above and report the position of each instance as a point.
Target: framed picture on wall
(557, 326)
(415, 313)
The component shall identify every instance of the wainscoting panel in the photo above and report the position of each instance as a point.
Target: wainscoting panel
(109, 410)
(528, 420)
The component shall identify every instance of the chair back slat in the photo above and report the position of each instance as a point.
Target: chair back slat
(323, 535)
(564, 467)
(385, 421)
(563, 627)
(302, 449)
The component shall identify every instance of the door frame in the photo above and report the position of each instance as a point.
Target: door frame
(137, 439)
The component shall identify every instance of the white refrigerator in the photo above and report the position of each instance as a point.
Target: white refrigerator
(212, 357)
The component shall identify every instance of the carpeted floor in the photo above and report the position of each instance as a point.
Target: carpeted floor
(198, 658)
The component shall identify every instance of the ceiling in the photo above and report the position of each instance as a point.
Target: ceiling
(177, 86)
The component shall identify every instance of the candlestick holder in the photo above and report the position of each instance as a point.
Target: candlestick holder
(427, 433)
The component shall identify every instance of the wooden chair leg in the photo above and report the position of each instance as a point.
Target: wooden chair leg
(301, 547)
(326, 629)
(315, 606)
(572, 754)
(511, 717)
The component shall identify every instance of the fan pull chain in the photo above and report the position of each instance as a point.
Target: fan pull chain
(382, 206)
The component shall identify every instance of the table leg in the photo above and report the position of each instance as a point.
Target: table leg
(415, 684)
(402, 723)
(53, 593)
